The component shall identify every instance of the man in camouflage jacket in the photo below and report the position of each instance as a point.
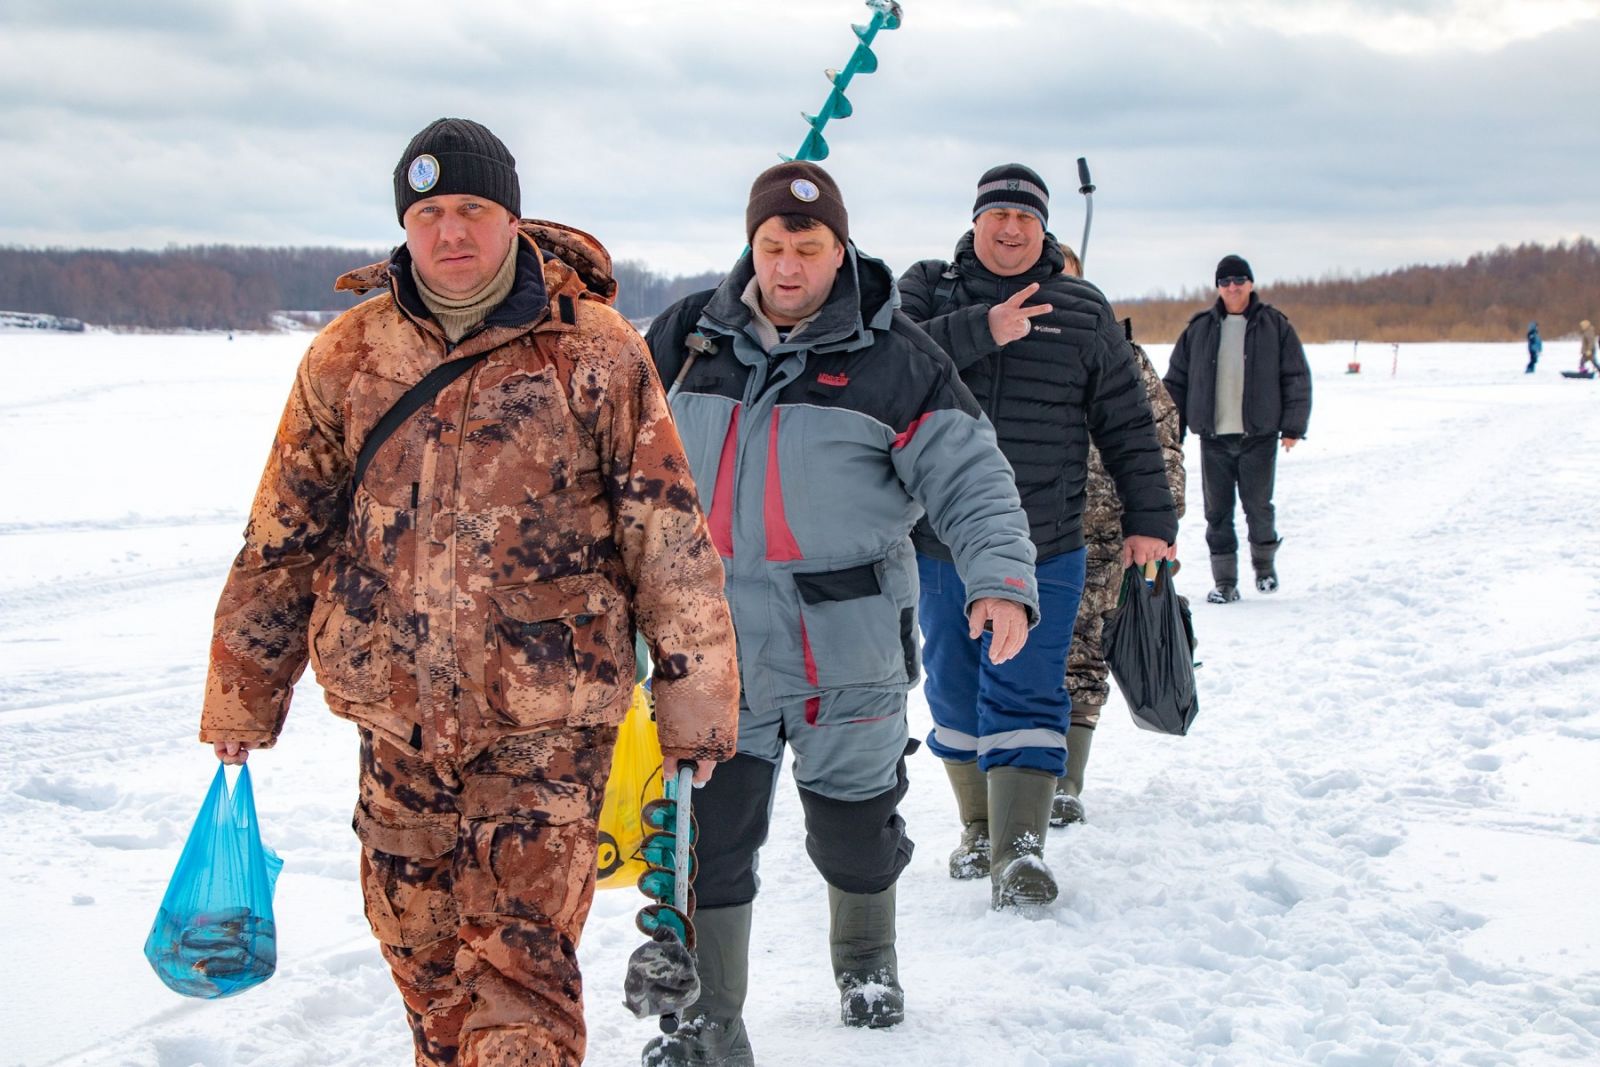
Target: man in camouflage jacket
(470, 602)
(1102, 532)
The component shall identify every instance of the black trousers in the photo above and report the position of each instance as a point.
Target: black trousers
(1246, 466)
(858, 846)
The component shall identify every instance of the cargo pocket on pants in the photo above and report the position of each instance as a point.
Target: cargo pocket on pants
(530, 850)
(406, 878)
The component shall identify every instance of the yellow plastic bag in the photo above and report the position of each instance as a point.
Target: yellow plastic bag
(635, 781)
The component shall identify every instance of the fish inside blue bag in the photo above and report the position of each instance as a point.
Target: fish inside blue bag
(214, 935)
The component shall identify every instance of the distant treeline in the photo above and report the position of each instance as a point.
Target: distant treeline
(218, 287)
(1491, 297)
(227, 287)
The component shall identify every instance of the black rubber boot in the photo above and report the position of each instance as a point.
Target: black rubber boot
(1225, 572)
(1066, 808)
(861, 940)
(1263, 560)
(971, 857)
(1019, 816)
(711, 1032)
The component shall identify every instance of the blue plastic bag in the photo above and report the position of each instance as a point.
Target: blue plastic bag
(214, 935)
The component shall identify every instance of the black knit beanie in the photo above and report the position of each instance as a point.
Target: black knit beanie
(1011, 185)
(456, 156)
(796, 188)
(1233, 267)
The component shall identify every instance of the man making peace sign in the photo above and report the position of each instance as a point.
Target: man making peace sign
(1051, 368)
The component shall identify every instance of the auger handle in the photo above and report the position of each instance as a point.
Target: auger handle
(682, 844)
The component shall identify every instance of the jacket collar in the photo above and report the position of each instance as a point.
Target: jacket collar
(864, 298)
(1219, 312)
(527, 303)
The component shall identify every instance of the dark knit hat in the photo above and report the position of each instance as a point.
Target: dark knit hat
(456, 156)
(796, 188)
(1234, 267)
(1014, 186)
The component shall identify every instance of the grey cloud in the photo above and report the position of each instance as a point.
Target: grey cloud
(280, 124)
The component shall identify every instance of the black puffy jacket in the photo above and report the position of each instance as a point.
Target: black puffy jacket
(1277, 379)
(1070, 380)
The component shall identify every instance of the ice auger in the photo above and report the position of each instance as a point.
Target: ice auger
(885, 16)
(661, 977)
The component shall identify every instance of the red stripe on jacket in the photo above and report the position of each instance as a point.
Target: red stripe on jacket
(781, 545)
(903, 438)
(813, 704)
(721, 518)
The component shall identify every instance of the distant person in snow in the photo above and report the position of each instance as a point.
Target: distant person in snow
(1586, 346)
(1239, 377)
(1050, 365)
(1535, 346)
(1102, 533)
(468, 599)
(820, 423)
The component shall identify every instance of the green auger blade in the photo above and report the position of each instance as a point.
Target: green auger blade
(886, 15)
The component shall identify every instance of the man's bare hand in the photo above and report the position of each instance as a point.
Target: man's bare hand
(1141, 550)
(1007, 619)
(702, 769)
(1289, 443)
(233, 753)
(1011, 321)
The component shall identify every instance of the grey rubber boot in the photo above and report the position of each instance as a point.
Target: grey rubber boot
(711, 1032)
(1019, 817)
(1263, 560)
(970, 858)
(1066, 808)
(861, 940)
(1225, 572)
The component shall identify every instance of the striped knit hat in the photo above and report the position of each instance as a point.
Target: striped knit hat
(1011, 185)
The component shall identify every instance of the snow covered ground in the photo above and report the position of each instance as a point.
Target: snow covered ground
(1380, 845)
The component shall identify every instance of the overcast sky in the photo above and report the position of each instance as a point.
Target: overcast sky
(1307, 135)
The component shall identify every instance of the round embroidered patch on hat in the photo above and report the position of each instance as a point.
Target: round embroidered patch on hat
(804, 190)
(423, 174)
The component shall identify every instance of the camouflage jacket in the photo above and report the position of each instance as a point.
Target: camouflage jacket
(486, 576)
(1102, 511)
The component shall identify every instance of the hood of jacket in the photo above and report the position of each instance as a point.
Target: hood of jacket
(553, 261)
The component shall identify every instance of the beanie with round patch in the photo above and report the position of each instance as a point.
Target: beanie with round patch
(456, 156)
(796, 188)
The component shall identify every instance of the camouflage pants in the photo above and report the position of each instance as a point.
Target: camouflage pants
(477, 881)
(1086, 661)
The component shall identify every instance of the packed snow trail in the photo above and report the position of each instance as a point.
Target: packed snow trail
(1378, 846)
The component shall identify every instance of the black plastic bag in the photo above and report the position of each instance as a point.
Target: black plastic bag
(1149, 642)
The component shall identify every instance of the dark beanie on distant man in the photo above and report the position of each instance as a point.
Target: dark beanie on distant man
(1234, 267)
(796, 188)
(456, 157)
(1011, 185)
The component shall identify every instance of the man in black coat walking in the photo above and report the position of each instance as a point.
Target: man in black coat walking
(1239, 377)
(1051, 367)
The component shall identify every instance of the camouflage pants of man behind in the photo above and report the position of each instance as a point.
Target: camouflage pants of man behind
(477, 881)
(1086, 660)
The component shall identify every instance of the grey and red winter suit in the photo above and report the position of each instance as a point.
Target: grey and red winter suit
(813, 462)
